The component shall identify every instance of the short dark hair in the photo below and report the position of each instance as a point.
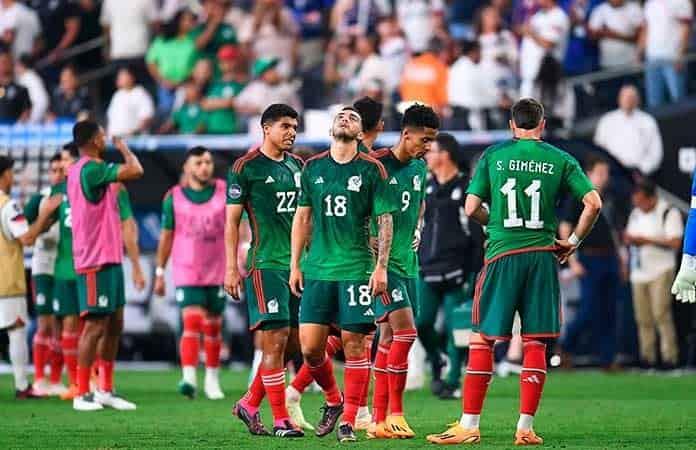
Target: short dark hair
(467, 46)
(370, 111)
(198, 150)
(277, 111)
(72, 148)
(6, 162)
(84, 131)
(593, 161)
(646, 186)
(527, 113)
(55, 158)
(448, 143)
(420, 116)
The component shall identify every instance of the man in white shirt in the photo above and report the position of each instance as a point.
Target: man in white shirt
(19, 27)
(615, 24)
(654, 232)
(419, 19)
(546, 32)
(27, 77)
(631, 135)
(131, 108)
(664, 40)
(468, 91)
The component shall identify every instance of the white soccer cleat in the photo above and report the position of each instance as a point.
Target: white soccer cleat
(41, 388)
(86, 402)
(292, 403)
(57, 389)
(363, 418)
(212, 385)
(113, 401)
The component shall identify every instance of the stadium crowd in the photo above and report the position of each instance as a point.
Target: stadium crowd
(211, 66)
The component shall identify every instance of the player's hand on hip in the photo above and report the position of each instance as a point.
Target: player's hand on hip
(563, 250)
(378, 281)
(160, 288)
(296, 282)
(233, 284)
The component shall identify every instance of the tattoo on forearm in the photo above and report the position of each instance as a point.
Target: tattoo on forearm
(384, 238)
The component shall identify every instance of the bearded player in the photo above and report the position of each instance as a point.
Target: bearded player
(395, 308)
(265, 183)
(522, 180)
(92, 191)
(193, 223)
(341, 189)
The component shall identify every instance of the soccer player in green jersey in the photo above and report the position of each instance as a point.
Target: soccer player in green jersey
(370, 111)
(341, 189)
(265, 182)
(522, 180)
(394, 309)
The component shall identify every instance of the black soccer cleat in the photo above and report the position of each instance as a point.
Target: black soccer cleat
(288, 430)
(329, 417)
(252, 422)
(345, 433)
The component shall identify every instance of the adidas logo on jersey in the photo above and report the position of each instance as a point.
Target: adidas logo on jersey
(319, 180)
(270, 180)
(369, 312)
(393, 181)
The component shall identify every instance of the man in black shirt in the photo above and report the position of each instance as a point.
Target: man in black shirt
(597, 266)
(450, 254)
(15, 105)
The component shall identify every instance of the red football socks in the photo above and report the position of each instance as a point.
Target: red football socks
(106, 376)
(40, 350)
(356, 376)
(303, 377)
(380, 394)
(368, 354)
(478, 375)
(83, 374)
(56, 361)
(69, 344)
(190, 338)
(274, 384)
(397, 368)
(212, 328)
(324, 376)
(252, 399)
(533, 376)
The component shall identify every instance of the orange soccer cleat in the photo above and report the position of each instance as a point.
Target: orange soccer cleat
(456, 434)
(527, 437)
(378, 431)
(399, 428)
(71, 393)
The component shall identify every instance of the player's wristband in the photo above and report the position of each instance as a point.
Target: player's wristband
(159, 271)
(574, 240)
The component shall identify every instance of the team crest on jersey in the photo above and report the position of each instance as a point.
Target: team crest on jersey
(103, 301)
(40, 299)
(416, 183)
(354, 183)
(297, 176)
(397, 295)
(457, 194)
(234, 191)
(272, 306)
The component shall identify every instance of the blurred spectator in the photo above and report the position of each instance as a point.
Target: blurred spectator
(310, 17)
(425, 79)
(392, 49)
(421, 20)
(20, 27)
(237, 13)
(169, 8)
(596, 265)
(69, 99)
(467, 90)
(505, 10)
(127, 24)
(90, 13)
(212, 33)
(582, 54)
(522, 12)
(201, 76)
(271, 32)
(219, 103)
(654, 232)
(546, 32)
(498, 53)
(27, 77)
(461, 16)
(190, 118)
(341, 63)
(171, 57)
(555, 94)
(131, 109)
(60, 25)
(371, 66)
(355, 17)
(615, 24)
(15, 105)
(631, 135)
(664, 41)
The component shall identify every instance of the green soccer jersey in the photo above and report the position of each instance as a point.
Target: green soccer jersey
(190, 118)
(192, 195)
(224, 34)
(343, 198)
(223, 121)
(407, 181)
(269, 191)
(523, 181)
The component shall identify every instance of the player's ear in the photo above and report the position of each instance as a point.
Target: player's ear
(542, 126)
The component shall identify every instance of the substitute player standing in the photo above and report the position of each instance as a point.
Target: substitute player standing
(341, 189)
(522, 180)
(265, 183)
(193, 223)
(92, 191)
(395, 307)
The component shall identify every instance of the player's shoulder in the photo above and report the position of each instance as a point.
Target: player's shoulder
(316, 160)
(380, 153)
(558, 152)
(245, 159)
(374, 163)
(296, 158)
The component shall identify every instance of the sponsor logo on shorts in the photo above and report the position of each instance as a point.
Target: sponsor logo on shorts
(354, 183)
(40, 299)
(103, 301)
(234, 191)
(397, 295)
(369, 312)
(179, 295)
(272, 306)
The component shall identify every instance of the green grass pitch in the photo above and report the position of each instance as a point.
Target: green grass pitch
(578, 411)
